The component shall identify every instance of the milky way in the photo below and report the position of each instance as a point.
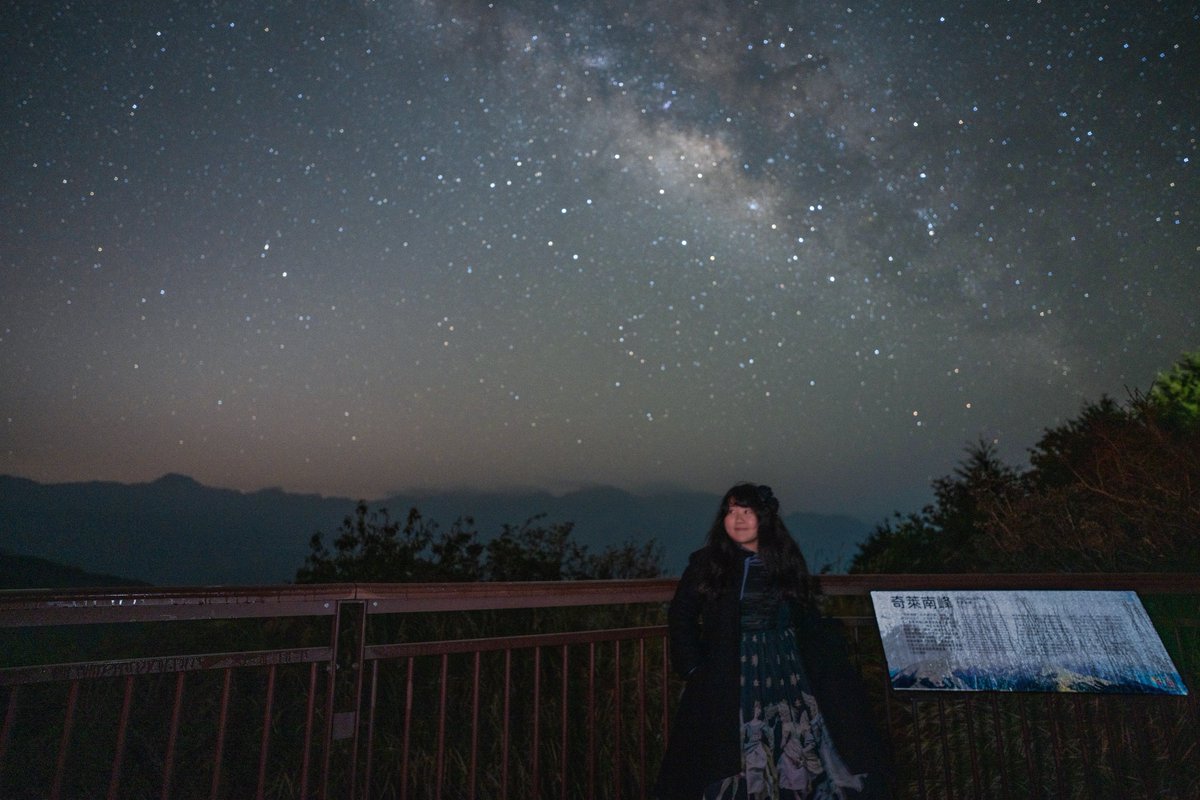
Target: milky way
(351, 248)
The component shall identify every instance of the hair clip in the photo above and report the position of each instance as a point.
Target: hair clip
(767, 497)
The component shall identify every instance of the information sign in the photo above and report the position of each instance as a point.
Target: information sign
(1023, 641)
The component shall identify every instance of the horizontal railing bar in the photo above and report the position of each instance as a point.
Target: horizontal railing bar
(394, 598)
(523, 641)
(26, 608)
(47, 673)
(1148, 582)
(23, 608)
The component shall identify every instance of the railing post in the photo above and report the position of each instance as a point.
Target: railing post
(344, 701)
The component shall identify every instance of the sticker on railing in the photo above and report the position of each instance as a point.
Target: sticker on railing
(1023, 641)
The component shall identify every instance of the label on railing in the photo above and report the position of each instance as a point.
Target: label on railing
(343, 725)
(1023, 641)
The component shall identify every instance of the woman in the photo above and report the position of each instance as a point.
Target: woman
(748, 723)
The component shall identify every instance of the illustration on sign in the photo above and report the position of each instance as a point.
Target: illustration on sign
(1013, 641)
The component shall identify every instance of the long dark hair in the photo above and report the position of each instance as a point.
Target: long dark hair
(781, 556)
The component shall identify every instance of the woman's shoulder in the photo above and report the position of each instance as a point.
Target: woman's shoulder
(697, 567)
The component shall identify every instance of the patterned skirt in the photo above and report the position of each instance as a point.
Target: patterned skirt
(787, 753)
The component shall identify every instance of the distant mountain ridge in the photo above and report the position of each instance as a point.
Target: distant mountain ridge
(31, 572)
(175, 531)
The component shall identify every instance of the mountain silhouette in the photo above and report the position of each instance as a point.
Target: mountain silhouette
(31, 572)
(175, 531)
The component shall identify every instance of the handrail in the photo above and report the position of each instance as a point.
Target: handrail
(21, 608)
(1149, 582)
(154, 665)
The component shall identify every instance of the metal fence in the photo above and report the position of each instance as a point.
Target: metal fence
(502, 690)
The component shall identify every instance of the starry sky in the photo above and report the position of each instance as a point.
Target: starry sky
(359, 247)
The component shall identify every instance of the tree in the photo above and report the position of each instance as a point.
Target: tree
(1175, 393)
(906, 544)
(947, 535)
(531, 552)
(1115, 489)
(371, 547)
(456, 554)
(629, 560)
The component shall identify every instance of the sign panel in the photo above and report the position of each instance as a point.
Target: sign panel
(1023, 641)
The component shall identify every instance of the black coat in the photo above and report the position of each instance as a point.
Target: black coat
(705, 740)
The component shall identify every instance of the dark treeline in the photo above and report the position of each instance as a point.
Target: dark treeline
(1115, 489)
(371, 547)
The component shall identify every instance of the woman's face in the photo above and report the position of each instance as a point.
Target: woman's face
(741, 525)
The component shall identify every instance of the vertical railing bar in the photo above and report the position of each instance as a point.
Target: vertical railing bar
(309, 714)
(916, 723)
(504, 728)
(1081, 724)
(264, 747)
(1193, 708)
(857, 658)
(665, 666)
(360, 641)
(407, 737)
(1163, 733)
(10, 716)
(1002, 757)
(369, 767)
(591, 714)
(535, 788)
(944, 737)
(330, 698)
(172, 736)
(64, 741)
(222, 722)
(1057, 747)
(1113, 738)
(617, 750)
(889, 697)
(641, 690)
(440, 758)
(475, 690)
(1144, 731)
(1027, 744)
(1135, 737)
(564, 721)
(972, 747)
(114, 782)
(1137, 744)
(893, 736)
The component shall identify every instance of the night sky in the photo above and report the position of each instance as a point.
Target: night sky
(353, 248)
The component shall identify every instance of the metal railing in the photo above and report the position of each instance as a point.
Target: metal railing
(502, 690)
(370, 696)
